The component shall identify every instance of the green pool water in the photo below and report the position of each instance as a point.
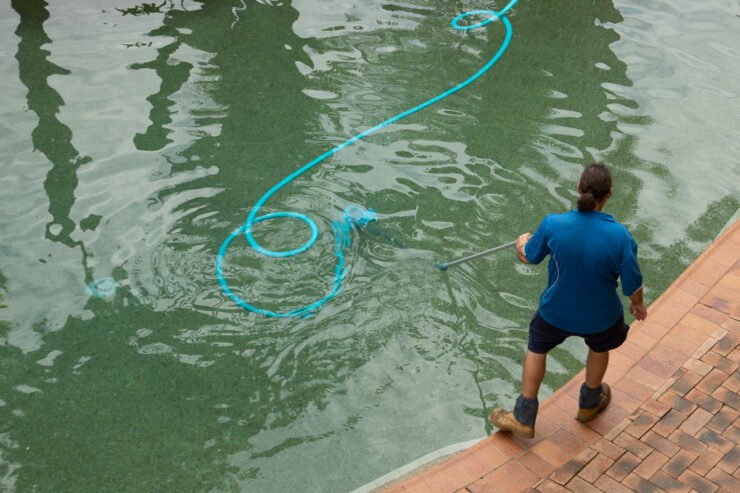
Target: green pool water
(135, 138)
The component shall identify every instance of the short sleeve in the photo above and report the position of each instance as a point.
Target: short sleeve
(536, 248)
(629, 269)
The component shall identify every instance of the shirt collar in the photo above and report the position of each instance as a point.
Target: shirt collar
(603, 216)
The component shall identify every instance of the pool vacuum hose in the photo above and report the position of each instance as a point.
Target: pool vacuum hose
(343, 226)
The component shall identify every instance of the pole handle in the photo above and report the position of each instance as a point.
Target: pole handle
(445, 265)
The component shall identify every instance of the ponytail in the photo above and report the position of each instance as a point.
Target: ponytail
(586, 202)
(595, 184)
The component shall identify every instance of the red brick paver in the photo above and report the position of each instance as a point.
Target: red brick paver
(674, 420)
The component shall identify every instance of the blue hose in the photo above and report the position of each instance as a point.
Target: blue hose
(342, 228)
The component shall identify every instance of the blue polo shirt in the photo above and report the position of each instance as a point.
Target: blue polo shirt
(588, 252)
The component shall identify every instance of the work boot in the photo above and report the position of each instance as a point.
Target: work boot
(520, 422)
(505, 421)
(586, 414)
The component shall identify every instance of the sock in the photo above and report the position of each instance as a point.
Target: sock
(589, 398)
(525, 410)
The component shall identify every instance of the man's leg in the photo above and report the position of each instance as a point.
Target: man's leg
(533, 373)
(521, 420)
(596, 364)
(542, 338)
(595, 395)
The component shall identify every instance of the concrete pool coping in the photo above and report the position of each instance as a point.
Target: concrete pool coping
(674, 419)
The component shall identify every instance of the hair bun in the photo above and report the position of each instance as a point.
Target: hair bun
(586, 202)
(595, 184)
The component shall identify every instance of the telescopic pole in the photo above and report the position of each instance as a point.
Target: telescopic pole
(445, 265)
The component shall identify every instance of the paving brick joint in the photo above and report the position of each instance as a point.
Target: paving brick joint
(674, 420)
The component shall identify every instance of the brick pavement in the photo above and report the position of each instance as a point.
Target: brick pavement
(684, 437)
(674, 420)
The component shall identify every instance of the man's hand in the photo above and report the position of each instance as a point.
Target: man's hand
(637, 307)
(639, 311)
(520, 242)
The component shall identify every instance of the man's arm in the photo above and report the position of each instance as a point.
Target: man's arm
(520, 242)
(637, 307)
(632, 277)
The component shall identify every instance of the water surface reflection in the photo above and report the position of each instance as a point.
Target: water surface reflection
(199, 109)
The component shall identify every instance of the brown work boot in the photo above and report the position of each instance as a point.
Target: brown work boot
(586, 415)
(505, 420)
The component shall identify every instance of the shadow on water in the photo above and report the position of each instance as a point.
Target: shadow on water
(51, 137)
(4, 324)
(173, 76)
(252, 69)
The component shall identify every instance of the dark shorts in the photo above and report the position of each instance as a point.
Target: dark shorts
(543, 336)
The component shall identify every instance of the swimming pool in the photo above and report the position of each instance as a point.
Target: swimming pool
(134, 140)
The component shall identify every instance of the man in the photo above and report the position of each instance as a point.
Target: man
(588, 251)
